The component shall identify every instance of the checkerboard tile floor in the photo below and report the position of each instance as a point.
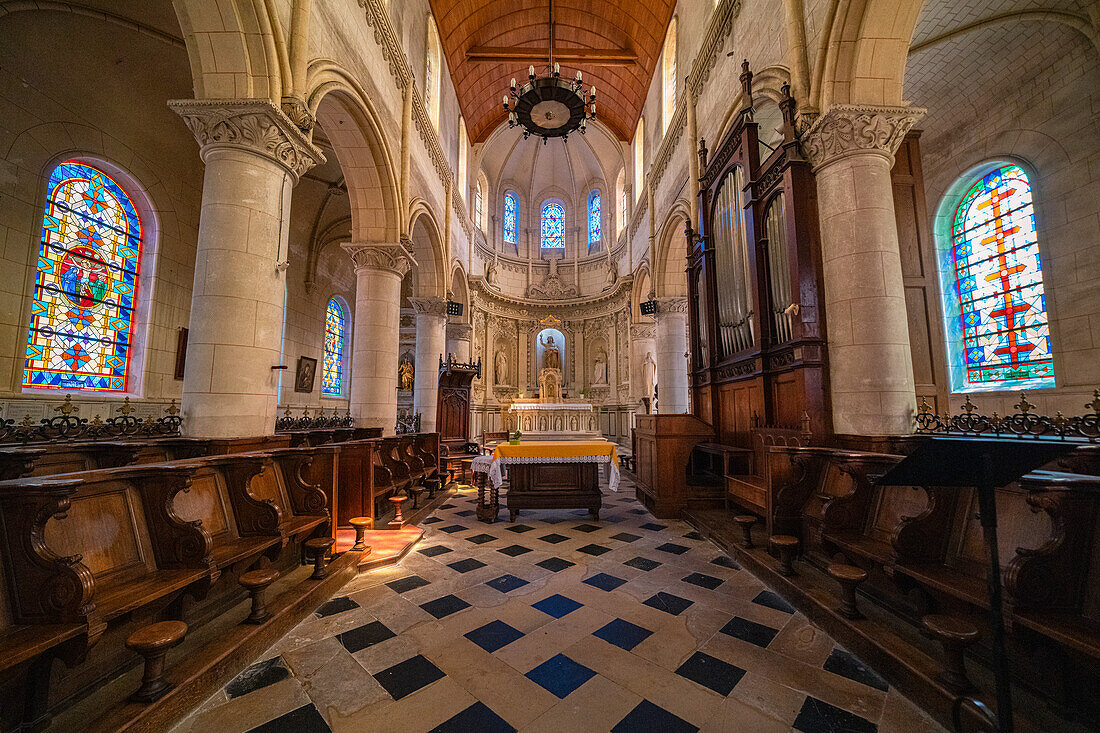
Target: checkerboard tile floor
(557, 623)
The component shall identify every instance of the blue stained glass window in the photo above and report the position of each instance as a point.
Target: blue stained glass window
(332, 373)
(593, 220)
(511, 216)
(998, 335)
(553, 224)
(85, 292)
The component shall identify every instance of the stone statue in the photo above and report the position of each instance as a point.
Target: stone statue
(491, 274)
(500, 373)
(611, 277)
(551, 357)
(599, 369)
(405, 373)
(649, 374)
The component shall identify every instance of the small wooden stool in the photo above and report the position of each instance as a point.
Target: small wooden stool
(256, 582)
(361, 524)
(955, 635)
(318, 547)
(746, 521)
(849, 576)
(153, 642)
(398, 520)
(785, 545)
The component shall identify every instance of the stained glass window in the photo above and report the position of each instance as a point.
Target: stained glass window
(593, 220)
(479, 201)
(553, 224)
(511, 214)
(85, 292)
(998, 336)
(332, 373)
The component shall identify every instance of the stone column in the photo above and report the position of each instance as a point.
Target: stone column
(672, 345)
(378, 272)
(852, 149)
(254, 155)
(458, 341)
(431, 337)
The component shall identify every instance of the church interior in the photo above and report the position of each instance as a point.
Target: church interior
(587, 365)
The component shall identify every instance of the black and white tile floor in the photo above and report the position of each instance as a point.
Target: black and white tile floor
(557, 623)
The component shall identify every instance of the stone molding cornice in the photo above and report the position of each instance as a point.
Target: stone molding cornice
(254, 125)
(643, 331)
(429, 306)
(391, 258)
(486, 294)
(672, 304)
(847, 129)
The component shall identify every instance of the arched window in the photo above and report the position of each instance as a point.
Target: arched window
(998, 335)
(620, 196)
(479, 202)
(511, 218)
(668, 76)
(553, 225)
(639, 157)
(83, 314)
(463, 143)
(332, 372)
(594, 220)
(433, 72)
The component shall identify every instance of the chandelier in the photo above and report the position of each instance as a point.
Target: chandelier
(550, 106)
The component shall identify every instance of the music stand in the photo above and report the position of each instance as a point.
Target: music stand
(984, 464)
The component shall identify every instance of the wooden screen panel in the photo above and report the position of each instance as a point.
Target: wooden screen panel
(920, 337)
(788, 400)
(891, 504)
(205, 501)
(104, 527)
(266, 485)
(702, 405)
(1017, 527)
(738, 402)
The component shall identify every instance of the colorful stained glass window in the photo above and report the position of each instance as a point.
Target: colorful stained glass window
(511, 215)
(553, 224)
(85, 293)
(593, 220)
(998, 336)
(332, 373)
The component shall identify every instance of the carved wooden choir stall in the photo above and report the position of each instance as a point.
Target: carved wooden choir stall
(121, 544)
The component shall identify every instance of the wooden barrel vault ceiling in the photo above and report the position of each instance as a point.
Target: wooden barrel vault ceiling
(615, 43)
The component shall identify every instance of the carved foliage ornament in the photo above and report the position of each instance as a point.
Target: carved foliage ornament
(672, 305)
(388, 257)
(429, 306)
(846, 129)
(255, 125)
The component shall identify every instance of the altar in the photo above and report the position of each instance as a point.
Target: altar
(554, 474)
(552, 420)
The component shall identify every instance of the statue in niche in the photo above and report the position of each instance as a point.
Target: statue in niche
(649, 375)
(599, 369)
(491, 274)
(405, 373)
(551, 357)
(500, 373)
(611, 277)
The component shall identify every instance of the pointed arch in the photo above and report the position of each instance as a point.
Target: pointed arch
(425, 243)
(670, 259)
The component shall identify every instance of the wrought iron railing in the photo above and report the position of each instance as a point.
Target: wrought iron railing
(68, 425)
(407, 422)
(1025, 423)
(316, 421)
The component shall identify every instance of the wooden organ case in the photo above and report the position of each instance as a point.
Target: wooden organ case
(756, 322)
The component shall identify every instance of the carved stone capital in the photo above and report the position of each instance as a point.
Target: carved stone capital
(386, 257)
(431, 306)
(255, 125)
(674, 304)
(847, 129)
(459, 331)
(298, 113)
(643, 331)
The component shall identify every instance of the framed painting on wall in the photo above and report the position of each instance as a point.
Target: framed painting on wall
(307, 371)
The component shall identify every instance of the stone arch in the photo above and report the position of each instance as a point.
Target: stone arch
(425, 243)
(862, 56)
(251, 58)
(459, 290)
(641, 290)
(670, 258)
(767, 84)
(343, 111)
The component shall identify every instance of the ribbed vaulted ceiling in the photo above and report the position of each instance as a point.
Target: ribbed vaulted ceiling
(615, 43)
